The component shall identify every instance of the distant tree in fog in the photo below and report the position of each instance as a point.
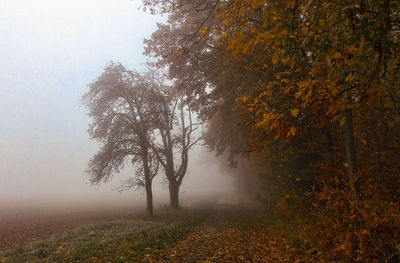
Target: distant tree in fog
(121, 107)
(176, 133)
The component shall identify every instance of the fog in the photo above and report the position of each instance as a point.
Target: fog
(50, 50)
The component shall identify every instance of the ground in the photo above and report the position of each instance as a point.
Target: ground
(227, 231)
(232, 233)
(21, 225)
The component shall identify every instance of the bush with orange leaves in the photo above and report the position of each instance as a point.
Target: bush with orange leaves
(361, 229)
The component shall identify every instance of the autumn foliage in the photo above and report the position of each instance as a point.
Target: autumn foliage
(308, 92)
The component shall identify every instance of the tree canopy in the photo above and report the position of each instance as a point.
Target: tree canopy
(139, 120)
(120, 105)
(309, 92)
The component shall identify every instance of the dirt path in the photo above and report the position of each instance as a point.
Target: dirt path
(233, 233)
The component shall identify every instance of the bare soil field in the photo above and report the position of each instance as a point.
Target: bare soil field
(21, 224)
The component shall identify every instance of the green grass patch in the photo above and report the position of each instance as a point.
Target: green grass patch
(124, 240)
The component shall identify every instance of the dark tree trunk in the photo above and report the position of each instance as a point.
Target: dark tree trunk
(174, 195)
(351, 151)
(147, 180)
(149, 200)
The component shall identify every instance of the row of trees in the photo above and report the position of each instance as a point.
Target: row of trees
(139, 120)
(307, 94)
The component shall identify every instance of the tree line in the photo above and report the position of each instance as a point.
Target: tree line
(307, 94)
(304, 94)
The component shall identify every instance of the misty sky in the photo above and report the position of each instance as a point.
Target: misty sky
(49, 51)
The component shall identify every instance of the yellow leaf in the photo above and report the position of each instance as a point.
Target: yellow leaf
(292, 132)
(294, 112)
(275, 58)
(349, 78)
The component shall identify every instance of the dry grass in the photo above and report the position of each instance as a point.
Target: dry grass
(122, 240)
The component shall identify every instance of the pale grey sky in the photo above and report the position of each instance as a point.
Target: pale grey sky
(49, 51)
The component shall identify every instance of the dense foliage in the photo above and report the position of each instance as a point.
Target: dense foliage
(307, 94)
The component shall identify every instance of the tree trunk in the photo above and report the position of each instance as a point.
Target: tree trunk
(149, 199)
(350, 151)
(174, 195)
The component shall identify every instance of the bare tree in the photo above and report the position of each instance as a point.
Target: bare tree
(121, 108)
(176, 133)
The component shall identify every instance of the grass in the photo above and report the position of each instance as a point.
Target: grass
(124, 240)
